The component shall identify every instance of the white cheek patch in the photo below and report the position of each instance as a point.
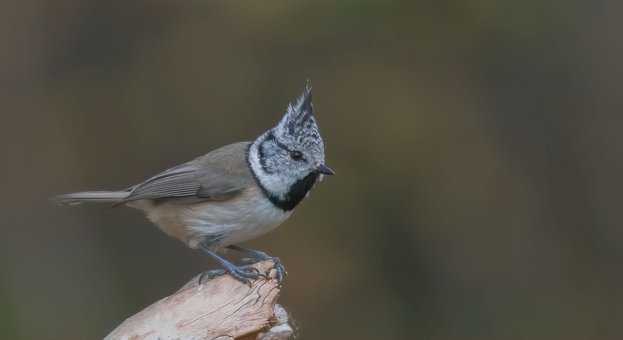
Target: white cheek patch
(274, 183)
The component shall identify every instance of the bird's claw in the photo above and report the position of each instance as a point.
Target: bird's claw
(277, 266)
(244, 274)
(279, 269)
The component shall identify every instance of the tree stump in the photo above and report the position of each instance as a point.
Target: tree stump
(221, 308)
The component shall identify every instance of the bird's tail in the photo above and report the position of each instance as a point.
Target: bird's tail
(91, 197)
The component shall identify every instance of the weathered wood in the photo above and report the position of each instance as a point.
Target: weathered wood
(221, 308)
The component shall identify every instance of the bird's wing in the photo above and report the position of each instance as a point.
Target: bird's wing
(219, 175)
(179, 181)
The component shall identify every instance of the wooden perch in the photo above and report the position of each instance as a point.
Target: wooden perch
(221, 308)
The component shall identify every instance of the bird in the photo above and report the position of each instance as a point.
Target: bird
(234, 193)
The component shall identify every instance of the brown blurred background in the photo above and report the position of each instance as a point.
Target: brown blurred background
(477, 146)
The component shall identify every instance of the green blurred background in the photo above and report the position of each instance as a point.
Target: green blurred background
(477, 146)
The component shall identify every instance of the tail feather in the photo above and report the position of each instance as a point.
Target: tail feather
(91, 197)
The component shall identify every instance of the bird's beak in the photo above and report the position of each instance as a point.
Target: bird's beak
(325, 170)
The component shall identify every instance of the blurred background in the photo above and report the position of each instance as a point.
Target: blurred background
(477, 146)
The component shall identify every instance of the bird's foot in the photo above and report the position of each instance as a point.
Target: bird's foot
(244, 274)
(279, 268)
(257, 256)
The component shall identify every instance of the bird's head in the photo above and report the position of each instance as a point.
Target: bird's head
(289, 158)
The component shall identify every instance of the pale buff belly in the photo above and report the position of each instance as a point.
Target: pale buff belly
(217, 223)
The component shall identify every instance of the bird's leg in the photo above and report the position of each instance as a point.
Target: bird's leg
(243, 274)
(262, 256)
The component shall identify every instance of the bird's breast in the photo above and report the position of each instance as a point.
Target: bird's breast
(240, 219)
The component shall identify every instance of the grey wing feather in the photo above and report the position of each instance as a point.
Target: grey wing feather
(218, 175)
(180, 181)
(218, 185)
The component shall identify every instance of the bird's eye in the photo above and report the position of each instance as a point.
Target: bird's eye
(296, 155)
